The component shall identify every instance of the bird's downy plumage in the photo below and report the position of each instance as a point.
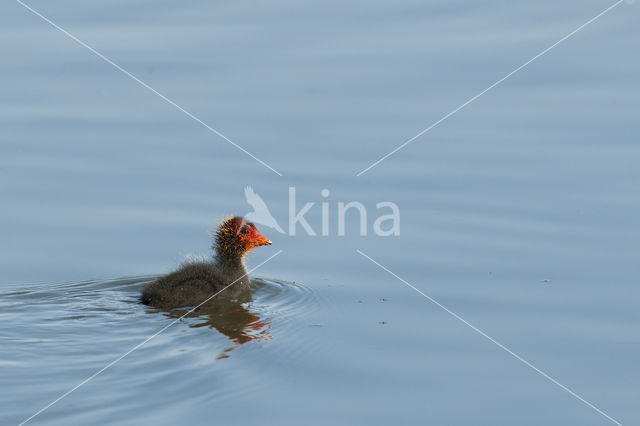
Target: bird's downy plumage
(226, 274)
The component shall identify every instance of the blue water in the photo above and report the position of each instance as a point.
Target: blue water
(520, 213)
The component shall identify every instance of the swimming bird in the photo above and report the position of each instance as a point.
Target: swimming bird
(195, 282)
(260, 213)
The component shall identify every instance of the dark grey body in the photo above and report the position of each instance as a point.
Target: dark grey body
(194, 283)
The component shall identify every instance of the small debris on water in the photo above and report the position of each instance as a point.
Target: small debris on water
(546, 281)
(384, 300)
(382, 322)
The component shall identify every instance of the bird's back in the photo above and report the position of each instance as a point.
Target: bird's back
(191, 285)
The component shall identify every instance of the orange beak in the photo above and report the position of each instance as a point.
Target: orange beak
(264, 241)
(259, 240)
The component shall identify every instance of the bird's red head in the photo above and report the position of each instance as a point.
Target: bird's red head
(235, 237)
(249, 234)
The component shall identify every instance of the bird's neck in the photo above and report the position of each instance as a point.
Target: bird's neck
(233, 264)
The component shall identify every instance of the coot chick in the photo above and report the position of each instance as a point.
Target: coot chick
(194, 283)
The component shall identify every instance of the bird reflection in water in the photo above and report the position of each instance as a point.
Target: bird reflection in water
(231, 318)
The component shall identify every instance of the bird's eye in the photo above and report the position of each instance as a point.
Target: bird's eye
(244, 231)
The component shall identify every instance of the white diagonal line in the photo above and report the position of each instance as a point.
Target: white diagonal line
(145, 85)
(500, 345)
(141, 343)
(490, 87)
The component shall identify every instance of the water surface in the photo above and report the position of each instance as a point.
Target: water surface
(521, 213)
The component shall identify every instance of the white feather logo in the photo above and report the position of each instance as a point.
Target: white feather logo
(260, 213)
